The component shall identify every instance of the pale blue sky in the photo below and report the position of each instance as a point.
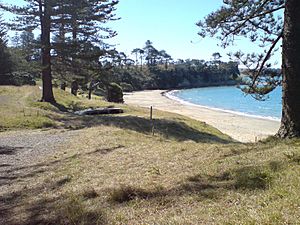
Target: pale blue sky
(170, 25)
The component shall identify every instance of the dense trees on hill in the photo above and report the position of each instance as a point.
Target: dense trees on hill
(162, 72)
(264, 22)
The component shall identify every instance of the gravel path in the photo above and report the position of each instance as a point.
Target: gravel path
(22, 149)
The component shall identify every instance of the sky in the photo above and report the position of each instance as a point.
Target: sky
(171, 26)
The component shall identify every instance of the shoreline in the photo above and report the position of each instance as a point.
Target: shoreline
(168, 95)
(240, 127)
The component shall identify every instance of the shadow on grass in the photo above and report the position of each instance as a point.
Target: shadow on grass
(60, 107)
(44, 210)
(17, 174)
(8, 150)
(205, 186)
(170, 129)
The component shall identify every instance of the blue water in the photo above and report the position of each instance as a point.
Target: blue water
(232, 99)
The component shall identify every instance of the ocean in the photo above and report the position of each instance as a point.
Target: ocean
(231, 99)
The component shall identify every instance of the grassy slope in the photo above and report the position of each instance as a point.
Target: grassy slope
(116, 172)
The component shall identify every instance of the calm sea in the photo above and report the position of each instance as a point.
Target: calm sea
(231, 99)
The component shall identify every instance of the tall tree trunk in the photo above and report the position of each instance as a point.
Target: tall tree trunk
(290, 122)
(91, 86)
(47, 94)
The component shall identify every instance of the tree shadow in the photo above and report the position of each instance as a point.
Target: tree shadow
(205, 186)
(60, 107)
(8, 150)
(169, 129)
(17, 174)
(47, 210)
(41, 209)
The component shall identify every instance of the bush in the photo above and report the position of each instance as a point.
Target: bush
(17, 78)
(114, 93)
(126, 87)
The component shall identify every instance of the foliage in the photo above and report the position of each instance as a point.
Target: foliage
(78, 41)
(17, 78)
(25, 53)
(180, 74)
(5, 58)
(259, 21)
(114, 93)
(263, 22)
(77, 28)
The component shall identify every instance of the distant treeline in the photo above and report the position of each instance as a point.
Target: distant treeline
(149, 69)
(155, 69)
(180, 74)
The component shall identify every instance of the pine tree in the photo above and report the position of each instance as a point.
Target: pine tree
(264, 22)
(79, 24)
(79, 38)
(37, 14)
(5, 59)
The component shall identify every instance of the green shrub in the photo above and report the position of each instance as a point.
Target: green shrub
(17, 78)
(126, 87)
(114, 93)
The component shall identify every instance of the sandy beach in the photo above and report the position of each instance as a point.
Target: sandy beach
(241, 128)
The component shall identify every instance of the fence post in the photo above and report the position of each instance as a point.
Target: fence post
(151, 120)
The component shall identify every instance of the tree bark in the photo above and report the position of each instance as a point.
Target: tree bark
(74, 87)
(290, 122)
(47, 93)
(91, 86)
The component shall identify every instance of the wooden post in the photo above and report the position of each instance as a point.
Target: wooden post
(151, 120)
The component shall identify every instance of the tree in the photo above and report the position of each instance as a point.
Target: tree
(78, 40)
(216, 58)
(151, 53)
(141, 52)
(262, 21)
(164, 55)
(82, 19)
(136, 52)
(25, 53)
(37, 14)
(5, 58)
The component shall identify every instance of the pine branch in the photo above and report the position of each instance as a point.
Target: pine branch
(266, 59)
(249, 18)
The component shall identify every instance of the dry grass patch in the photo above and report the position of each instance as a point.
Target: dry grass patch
(116, 172)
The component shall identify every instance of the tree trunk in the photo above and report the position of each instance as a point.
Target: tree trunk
(47, 94)
(74, 87)
(290, 122)
(91, 89)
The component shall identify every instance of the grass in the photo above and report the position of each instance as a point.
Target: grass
(21, 109)
(117, 172)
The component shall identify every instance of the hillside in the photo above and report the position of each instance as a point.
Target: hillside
(112, 170)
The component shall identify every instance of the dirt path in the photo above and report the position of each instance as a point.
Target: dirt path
(24, 155)
(22, 149)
